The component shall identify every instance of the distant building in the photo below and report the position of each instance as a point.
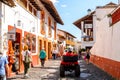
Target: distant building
(65, 39)
(87, 30)
(77, 46)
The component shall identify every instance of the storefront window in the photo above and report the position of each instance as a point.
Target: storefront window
(33, 44)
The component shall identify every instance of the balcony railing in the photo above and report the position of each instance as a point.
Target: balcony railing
(87, 38)
(70, 42)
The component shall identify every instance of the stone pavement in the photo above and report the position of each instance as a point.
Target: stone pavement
(91, 72)
(51, 72)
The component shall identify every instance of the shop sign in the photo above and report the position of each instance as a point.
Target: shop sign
(12, 34)
(88, 25)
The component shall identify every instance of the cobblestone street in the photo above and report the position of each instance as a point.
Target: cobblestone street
(51, 72)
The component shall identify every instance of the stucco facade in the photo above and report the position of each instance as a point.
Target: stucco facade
(105, 47)
(31, 26)
(105, 51)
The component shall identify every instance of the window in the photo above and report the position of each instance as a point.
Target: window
(42, 22)
(35, 12)
(30, 8)
(24, 3)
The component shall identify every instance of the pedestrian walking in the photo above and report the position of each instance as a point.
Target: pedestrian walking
(87, 55)
(26, 61)
(42, 57)
(31, 64)
(3, 67)
(54, 53)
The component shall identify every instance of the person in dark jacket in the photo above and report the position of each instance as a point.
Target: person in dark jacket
(87, 55)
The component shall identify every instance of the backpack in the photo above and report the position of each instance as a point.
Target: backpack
(27, 57)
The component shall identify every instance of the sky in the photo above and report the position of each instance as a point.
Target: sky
(72, 10)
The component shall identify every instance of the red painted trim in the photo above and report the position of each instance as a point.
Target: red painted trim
(116, 16)
(110, 66)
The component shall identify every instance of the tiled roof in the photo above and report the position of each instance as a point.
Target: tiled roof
(8, 2)
(67, 33)
(87, 19)
(35, 4)
(109, 5)
(52, 10)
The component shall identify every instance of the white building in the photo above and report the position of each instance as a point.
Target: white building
(105, 51)
(27, 22)
(87, 30)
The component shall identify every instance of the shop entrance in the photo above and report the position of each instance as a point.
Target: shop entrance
(16, 48)
(49, 50)
(40, 45)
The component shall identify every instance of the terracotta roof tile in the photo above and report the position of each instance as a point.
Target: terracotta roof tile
(8, 2)
(52, 10)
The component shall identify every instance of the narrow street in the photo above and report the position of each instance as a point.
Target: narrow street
(90, 27)
(51, 72)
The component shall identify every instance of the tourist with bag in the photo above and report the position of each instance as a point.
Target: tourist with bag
(26, 60)
(42, 56)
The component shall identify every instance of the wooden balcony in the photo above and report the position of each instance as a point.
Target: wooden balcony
(87, 39)
(70, 42)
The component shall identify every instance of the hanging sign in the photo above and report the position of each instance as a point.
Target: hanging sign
(88, 25)
(12, 34)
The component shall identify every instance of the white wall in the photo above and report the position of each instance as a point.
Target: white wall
(12, 15)
(115, 42)
(0, 26)
(107, 37)
(85, 44)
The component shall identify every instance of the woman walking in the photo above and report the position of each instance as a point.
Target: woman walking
(42, 56)
(26, 60)
(87, 55)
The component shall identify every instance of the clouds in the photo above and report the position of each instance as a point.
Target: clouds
(54, 1)
(63, 5)
(57, 1)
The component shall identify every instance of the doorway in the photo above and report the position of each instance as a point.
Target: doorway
(49, 50)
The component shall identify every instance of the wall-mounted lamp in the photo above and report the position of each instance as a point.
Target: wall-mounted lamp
(19, 23)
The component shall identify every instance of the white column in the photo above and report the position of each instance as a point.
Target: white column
(0, 26)
(82, 33)
(94, 27)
